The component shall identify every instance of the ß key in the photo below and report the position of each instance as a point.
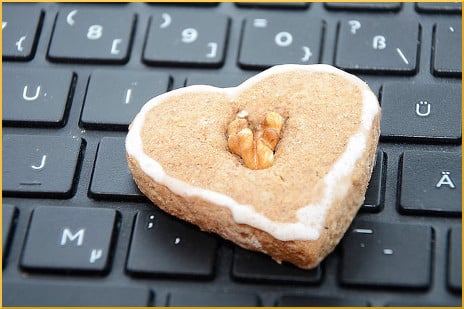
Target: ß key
(378, 45)
(92, 35)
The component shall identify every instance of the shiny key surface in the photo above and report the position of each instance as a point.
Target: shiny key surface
(431, 183)
(421, 112)
(92, 35)
(279, 40)
(69, 239)
(20, 31)
(379, 254)
(38, 165)
(161, 246)
(36, 97)
(186, 38)
(377, 45)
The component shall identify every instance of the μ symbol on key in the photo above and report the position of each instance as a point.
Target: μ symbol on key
(95, 255)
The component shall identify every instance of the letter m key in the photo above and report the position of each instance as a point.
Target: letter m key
(69, 235)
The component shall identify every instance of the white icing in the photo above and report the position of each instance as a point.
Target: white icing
(312, 216)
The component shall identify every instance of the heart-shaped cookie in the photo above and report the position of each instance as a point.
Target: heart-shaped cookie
(187, 150)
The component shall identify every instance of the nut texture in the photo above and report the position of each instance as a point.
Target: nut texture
(256, 149)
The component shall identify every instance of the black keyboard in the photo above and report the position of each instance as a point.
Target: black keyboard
(77, 231)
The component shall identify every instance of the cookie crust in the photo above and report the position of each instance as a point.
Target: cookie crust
(333, 96)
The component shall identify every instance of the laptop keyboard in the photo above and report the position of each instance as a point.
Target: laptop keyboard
(77, 231)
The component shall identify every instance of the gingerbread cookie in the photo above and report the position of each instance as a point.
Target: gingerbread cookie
(279, 164)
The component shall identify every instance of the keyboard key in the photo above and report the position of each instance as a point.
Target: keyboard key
(20, 31)
(253, 266)
(270, 41)
(374, 194)
(455, 259)
(439, 7)
(8, 217)
(415, 112)
(273, 5)
(115, 97)
(378, 45)
(363, 6)
(447, 60)
(319, 301)
(226, 80)
(184, 4)
(92, 35)
(379, 254)
(431, 182)
(186, 38)
(69, 239)
(423, 303)
(111, 177)
(36, 97)
(211, 299)
(31, 294)
(164, 246)
(42, 166)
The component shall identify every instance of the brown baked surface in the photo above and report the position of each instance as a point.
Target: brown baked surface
(189, 140)
(186, 134)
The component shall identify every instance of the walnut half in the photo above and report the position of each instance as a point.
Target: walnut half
(255, 148)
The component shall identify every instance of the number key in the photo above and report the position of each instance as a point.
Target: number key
(378, 45)
(181, 38)
(91, 35)
(20, 27)
(278, 40)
